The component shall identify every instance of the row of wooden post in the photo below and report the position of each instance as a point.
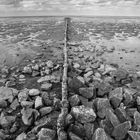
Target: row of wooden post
(61, 133)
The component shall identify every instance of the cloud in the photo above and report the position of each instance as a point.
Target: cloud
(69, 6)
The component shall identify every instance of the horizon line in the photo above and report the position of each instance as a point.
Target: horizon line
(14, 16)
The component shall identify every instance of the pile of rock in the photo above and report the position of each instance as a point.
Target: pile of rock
(104, 103)
(30, 113)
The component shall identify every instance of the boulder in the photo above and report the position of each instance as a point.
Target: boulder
(46, 134)
(45, 110)
(72, 136)
(23, 95)
(100, 135)
(102, 105)
(87, 92)
(83, 114)
(46, 86)
(34, 92)
(74, 84)
(6, 94)
(38, 102)
(116, 97)
(134, 135)
(74, 100)
(121, 130)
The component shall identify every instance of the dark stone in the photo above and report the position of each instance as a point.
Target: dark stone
(46, 99)
(134, 135)
(77, 129)
(83, 100)
(72, 136)
(108, 127)
(74, 84)
(89, 130)
(130, 111)
(6, 94)
(137, 118)
(120, 131)
(74, 100)
(87, 92)
(116, 97)
(47, 134)
(102, 105)
(121, 114)
(104, 89)
(100, 135)
(120, 74)
(112, 117)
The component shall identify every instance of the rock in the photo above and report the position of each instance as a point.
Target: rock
(21, 76)
(76, 65)
(46, 134)
(45, 110)
(46, 99)
(22, 136)
(81, 79)
(3, 136)
(27, 104)
(116, 97)
(35, 67)
(23, 95)
(97, 74)
(130, 112)
(88, 74)
(46, 78)
(74, 100)
(121, 114)
(27, 70)
(121, 130)
(134, 135)
(87, 92)
(3, 104)
(100, 135)
(34, 92)
(137, 118)
(89, 130)
(120, 74)
(27, 116)
(83, 100)
(15, 92)
(75, 84)
(72, 136)
(15, 104)
(6, 121)
(38, 102)
(46, 86)
(108, 69)
(83, 114)
(107, 126)
(6, 94)
(49, 64)
(138, 100)
(104, 89)
(102, 105)
(69, 119)
(112, 117)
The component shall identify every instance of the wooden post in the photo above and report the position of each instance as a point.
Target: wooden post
(62, 135)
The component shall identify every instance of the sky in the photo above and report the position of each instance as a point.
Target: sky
(70, 7)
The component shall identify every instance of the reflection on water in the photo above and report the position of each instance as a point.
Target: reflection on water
(126, 54)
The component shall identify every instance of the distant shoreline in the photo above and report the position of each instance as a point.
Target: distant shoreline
(83, 16)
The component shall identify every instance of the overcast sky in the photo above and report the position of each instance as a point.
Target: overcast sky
(69, 7)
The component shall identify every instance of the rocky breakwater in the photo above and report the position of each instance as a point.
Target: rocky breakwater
(104, 101)
(30, 101)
